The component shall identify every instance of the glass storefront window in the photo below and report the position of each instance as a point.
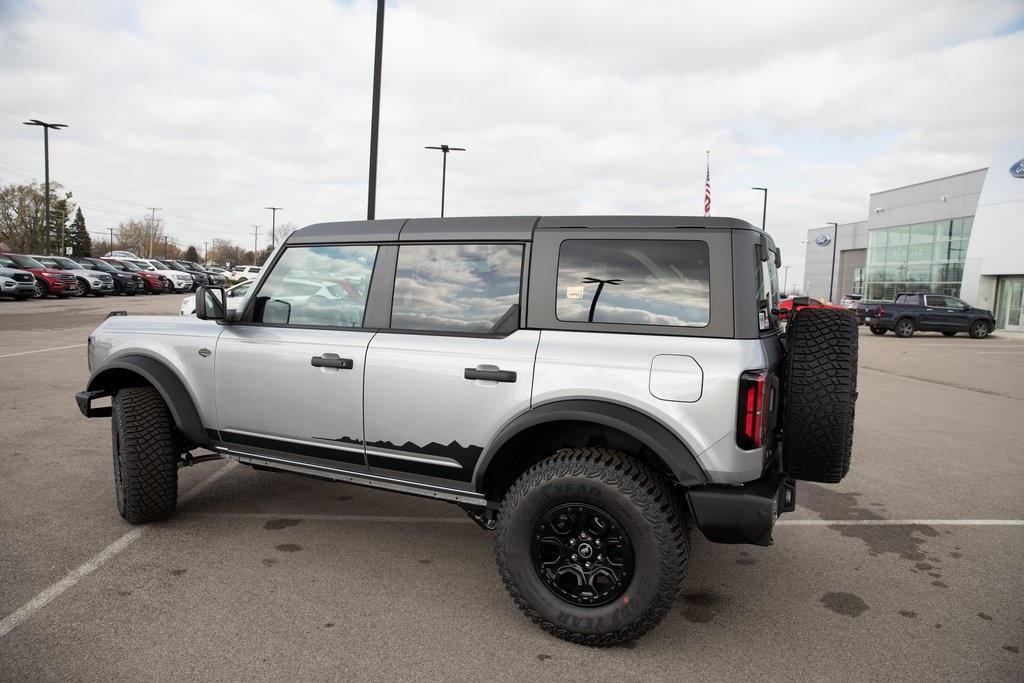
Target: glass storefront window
(895, 254)
(919, 273)
(921, 233)
(943, 230)
(918, 253)
(900, 235)
(876, 239)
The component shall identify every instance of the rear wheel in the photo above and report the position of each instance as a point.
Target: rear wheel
(980, 329)
(592, 546)
(877, 330)
(904, 327)
(145, 448)
(819, 394)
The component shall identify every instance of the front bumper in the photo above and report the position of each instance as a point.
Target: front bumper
(20, 289)
(742, 514)
(84, 400)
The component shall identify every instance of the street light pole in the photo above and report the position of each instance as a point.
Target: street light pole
(444, 166)
(273, 223)
(255, 242)
(832, 272)
(46, 165)
(764, 204)
(371, 200)
(785, 277)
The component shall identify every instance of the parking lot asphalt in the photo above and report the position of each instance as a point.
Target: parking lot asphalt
(912, 568)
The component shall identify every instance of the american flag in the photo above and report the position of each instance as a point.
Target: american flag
(707, 188)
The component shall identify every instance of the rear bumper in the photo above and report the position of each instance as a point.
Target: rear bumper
(742, 514)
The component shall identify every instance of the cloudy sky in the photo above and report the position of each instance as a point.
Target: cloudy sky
(213, 110)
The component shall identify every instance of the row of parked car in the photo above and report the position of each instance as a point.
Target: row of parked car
(24, 276)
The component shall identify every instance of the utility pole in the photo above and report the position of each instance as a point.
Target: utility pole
(273, 223)
(832, 272)
(206, 253)
(46, 165)
(764, 204)
(165, 247)
(371, 200)
(785, 277)
(255, 241)
(152, 228)
(111, 240)
(444, 166)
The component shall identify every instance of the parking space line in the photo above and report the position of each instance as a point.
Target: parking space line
(461, 520)
(901, 522)
(55, 348)
(41, 600)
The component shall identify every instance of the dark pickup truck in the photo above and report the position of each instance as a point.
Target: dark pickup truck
(926, 312)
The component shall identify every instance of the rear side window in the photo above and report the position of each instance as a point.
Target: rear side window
(634, 282)
(467, 288)
(317, 286)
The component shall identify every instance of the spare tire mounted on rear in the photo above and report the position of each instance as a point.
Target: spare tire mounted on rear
(820, 391)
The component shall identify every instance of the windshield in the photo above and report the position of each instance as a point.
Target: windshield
(160, 265)
(142, 265)
(125, 265)
(67, 264)
(26, 261)
(99, 265)
(167, 265)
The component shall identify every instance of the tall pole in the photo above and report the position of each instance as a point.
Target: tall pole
(152, 228)
(764, 204)
(166, 247)
(273, 223)
(206, 253)
(832, 272)
(444, 166)
(111, 239)
(255, 241)
(46, 168)
(785, 277)
(371, 200)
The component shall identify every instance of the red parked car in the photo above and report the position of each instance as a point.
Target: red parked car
(48, 280)
(798, 303)
(155, 284)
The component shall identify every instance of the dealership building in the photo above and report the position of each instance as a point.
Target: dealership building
(961, 235)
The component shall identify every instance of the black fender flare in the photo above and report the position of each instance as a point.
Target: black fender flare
(164, 380)
(644, 428)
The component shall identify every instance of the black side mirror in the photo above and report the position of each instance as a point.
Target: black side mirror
(210, 303)
(778, 257)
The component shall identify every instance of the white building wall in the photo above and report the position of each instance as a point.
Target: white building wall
(997, 238)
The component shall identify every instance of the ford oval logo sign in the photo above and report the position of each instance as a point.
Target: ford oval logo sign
(822, 240)
(1017, 170)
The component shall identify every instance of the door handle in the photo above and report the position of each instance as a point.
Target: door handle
(491, 375)
(331, 360)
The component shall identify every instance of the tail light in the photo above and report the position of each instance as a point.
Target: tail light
(880, 312)
(751, 417)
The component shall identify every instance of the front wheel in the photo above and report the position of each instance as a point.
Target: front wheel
(877, 330)
(145, 447)
(42, 291)
(83, 288)
(592, 546)
(980, 329)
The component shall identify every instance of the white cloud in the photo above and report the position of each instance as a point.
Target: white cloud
(213, 110)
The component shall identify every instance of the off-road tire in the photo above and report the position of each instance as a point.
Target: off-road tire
(634, 495)
(878, 330)
(145, 447)
(979, 329)
(819, 394)
(904, 328)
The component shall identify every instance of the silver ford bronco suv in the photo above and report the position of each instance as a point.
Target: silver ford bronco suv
(590, 387)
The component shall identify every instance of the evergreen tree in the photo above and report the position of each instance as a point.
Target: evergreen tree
(191, 254)
(81, 243)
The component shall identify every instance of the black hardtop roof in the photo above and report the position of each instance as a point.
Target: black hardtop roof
(496, 228)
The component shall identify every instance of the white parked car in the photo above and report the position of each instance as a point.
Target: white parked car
(182, 281)
(245, 272)
(850, 300)
(234, 298)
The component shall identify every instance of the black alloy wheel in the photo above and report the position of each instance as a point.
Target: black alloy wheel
(83, 288)
(582, 554)
(42, 291)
